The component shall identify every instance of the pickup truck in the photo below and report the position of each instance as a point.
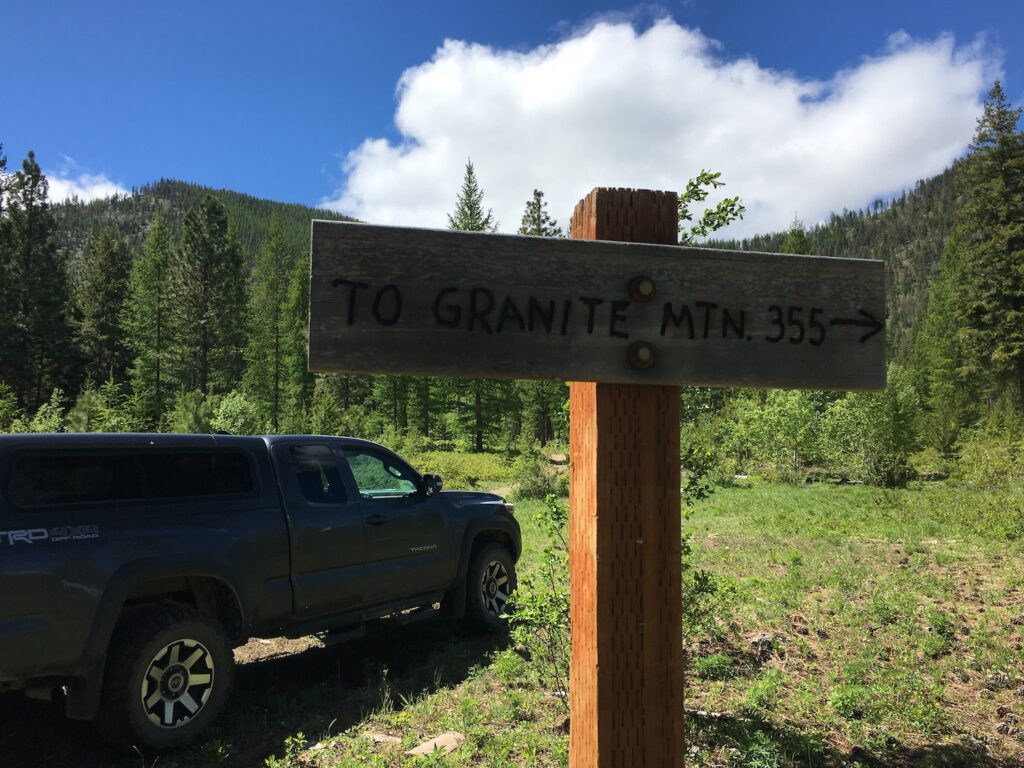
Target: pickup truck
(131, 565)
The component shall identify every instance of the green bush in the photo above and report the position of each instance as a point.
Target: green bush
(191, 414)
(237, 415)
(990, 460)
(765, 691)
(464, 470)
(871, 435)
(851, 701)
(717, 666)
(532, 475)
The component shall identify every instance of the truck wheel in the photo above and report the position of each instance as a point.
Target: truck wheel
(167, 676)
(490, 581)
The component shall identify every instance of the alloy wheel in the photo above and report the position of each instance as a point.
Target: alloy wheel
(178, 683)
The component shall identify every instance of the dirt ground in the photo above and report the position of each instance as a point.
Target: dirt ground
(282, 687)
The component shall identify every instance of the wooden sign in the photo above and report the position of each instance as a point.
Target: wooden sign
(433, 302)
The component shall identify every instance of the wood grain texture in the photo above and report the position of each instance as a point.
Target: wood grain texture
(626, 672)
(724, 309)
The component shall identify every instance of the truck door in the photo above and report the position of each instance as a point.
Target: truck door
(327, 533)
(407, 547)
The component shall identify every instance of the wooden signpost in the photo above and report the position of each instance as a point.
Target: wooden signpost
(627, 323)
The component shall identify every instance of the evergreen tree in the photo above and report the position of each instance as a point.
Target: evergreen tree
(36, 351)
(469, 215)
(269, 326)
(101, 298)
(796, 239)
(298, 381)
(207, 302)
(145, 322)
(474, 395)
(6, 286)
(536, 220)
(540, 401)
(988, 269)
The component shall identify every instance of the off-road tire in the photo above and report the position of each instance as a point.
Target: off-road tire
(490, 581)
(146, 669)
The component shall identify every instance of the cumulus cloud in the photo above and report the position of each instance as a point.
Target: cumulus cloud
(614, 105)
(83, 186)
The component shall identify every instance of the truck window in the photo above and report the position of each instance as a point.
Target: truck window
(317, 474)
(47, 480)
(377, 477)
(190, 474)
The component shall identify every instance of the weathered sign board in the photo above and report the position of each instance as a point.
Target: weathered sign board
(432, 302)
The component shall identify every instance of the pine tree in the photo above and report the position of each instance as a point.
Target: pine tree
(536, 220)
(469, 215)
(473, 395)
(207, 302)
(949, 396)
(540, 401)
(37, 352)
(146, 324)
(298, 381)
(988, 271)
(6, 284)
(269, 324)
(796, 239)
(101, 298)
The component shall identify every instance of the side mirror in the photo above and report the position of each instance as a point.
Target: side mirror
(432, 484)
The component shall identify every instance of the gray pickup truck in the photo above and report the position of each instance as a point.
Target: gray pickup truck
(131, 565)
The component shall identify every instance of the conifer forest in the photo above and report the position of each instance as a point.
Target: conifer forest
(180, 308)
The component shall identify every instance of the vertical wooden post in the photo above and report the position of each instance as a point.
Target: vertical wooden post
(626, 676)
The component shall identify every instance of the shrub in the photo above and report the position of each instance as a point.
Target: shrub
(871, 435)
(764, 692)
(191, 414)
(532, 475)
(989, 459)
(237, 415)
(850, 701)
(717, 666)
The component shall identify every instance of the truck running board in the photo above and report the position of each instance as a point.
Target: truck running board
(341, 634)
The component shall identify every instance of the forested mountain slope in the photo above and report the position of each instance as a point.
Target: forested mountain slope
(907, 233)
(171, 199)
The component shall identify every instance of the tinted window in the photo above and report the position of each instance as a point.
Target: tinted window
(378, 477)
(175, 475)
(40, 480)
(317, 474)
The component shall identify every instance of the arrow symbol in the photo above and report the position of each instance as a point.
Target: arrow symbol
(869, 321)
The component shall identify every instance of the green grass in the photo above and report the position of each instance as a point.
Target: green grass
(897, 624)
(893, 618)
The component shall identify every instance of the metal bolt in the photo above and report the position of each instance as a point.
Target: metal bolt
(641, 355)
(641, 288)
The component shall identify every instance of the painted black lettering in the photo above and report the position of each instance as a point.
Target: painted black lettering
(452, 312)
(729, 323)
(591, 307)
(535, 309)
(776, 310)
(618, 315)
(478, 311)
(566, 314)
(668, 315)
(353, 286)
(396, 305)
(707, 306)
(509, 311)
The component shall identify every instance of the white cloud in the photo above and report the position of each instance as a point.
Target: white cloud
(614, 106)
(84, 186)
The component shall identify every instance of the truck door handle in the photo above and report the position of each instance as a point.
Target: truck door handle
(376, 520)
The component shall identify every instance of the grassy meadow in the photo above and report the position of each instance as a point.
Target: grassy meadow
(845, 626)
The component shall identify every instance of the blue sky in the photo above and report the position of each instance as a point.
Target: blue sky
(297, 101)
